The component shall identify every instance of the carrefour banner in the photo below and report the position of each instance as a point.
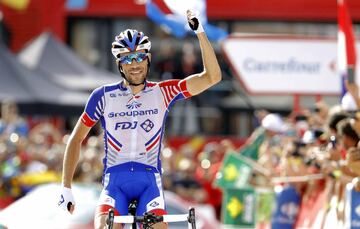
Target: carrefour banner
(284, 65)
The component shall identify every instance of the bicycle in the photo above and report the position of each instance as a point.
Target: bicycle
(149, 219)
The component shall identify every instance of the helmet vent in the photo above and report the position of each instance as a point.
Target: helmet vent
(129, 35)
(144, 41)
(137, 39)
(124, 43)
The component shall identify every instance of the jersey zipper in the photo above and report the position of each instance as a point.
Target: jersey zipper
(134, 138)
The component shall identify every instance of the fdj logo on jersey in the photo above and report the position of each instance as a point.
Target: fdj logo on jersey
(126, 125)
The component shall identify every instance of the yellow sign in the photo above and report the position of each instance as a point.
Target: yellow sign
(234, 207)
(230, 172)
(16, 4)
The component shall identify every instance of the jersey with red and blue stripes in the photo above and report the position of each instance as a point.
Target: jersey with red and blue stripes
(133, 125)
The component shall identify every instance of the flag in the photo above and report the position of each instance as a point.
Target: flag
(16, 4)
(252, 150)
(176, 23)
(234, 172)
(239, 207)
(287, 207)
(264, 205)
(346, 44)
(352, 209)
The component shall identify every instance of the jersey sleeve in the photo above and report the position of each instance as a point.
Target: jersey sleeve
(173, 90)
(94, 108)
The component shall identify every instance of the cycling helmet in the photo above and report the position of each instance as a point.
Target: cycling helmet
(130, 40)
(127, 41)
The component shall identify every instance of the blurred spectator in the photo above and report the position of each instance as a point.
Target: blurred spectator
(353, 159)
(167, 61)
(334, 119)
(185, 120)
(348, 136)
(208, 164)
(10, 122)
(321, 113)
(188, 63)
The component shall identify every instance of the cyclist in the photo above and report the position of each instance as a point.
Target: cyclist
(132, 113)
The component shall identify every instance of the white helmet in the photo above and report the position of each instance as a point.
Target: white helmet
(130, 40)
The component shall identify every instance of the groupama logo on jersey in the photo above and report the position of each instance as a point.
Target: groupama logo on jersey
(132, 113)
(131, 105)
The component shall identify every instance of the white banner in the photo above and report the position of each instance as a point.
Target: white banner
(279, 65)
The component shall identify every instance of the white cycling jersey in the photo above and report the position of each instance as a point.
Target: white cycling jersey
(133, 124)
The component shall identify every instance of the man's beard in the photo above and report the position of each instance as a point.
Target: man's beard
(134, 83)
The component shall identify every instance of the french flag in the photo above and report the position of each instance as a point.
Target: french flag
(176, 21)
(346, 44)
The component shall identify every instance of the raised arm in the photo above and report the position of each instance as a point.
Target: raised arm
(211, 74)
(353, 89)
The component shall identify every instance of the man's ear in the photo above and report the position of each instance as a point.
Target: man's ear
(119, 67)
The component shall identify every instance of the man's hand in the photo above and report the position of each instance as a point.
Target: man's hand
(194, 22)
(66, 201)
(353, 89)
(353, 160)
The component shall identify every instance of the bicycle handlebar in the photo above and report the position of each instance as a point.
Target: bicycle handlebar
(149, 219)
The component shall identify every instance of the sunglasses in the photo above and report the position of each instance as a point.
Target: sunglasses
(139, 57)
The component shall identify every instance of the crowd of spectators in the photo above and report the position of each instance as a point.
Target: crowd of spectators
(321, 140)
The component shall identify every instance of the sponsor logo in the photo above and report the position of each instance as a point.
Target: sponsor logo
(126, 125)
(249, 201)
(62, 200)
(290, 209)
(289, 66)
(106, 199)
(132, 113)
(147, 125)
(154, 204)
(355, 223)
(133, 104)
(114, 95)
(357, 210)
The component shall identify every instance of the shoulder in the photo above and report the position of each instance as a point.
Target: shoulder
(100, 91)
(112, 87)
(168, 83)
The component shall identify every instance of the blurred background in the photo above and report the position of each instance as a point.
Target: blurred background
(278, 106)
